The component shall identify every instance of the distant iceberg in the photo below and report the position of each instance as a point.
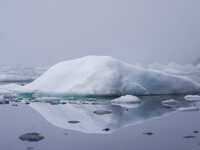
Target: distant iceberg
(103, 75)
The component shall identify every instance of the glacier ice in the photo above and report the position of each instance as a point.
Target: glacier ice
(104, 75)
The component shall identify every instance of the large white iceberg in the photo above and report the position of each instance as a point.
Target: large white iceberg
(103, 75)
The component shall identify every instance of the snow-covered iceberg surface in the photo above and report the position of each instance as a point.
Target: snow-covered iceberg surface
(103, 75)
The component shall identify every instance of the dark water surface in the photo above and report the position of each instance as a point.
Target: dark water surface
(75, 124)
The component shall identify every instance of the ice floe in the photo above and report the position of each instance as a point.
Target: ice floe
(192, 97)
(171, 103)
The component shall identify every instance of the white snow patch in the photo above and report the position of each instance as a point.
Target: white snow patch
(127, 99)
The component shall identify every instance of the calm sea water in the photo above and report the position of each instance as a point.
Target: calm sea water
(93, 123)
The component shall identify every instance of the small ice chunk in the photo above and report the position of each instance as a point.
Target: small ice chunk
(170, 103)
(128, 99)
(192, 97)
(192, 108)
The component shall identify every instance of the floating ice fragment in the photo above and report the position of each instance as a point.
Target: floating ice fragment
(127, 101)
(171, 103)
(192, 97)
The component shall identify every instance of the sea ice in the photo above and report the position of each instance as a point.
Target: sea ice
(192, 97)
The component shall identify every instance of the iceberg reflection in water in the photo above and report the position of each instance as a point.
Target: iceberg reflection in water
(81, 116)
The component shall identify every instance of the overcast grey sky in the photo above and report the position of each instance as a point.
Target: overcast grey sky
(42, 32)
